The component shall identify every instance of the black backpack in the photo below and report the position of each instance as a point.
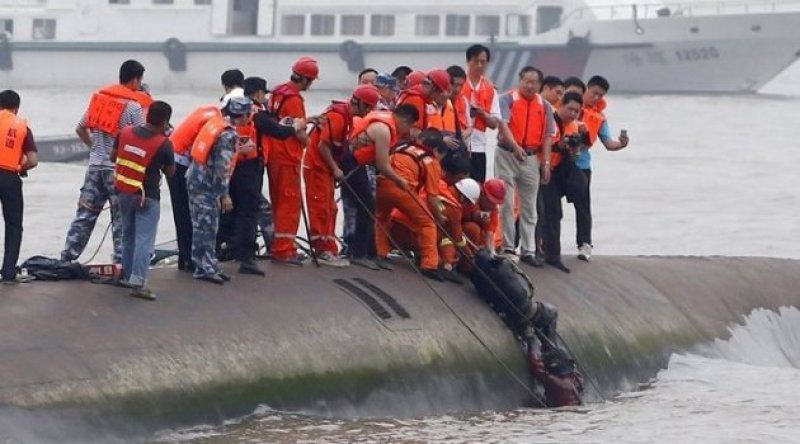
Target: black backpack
(49, 269)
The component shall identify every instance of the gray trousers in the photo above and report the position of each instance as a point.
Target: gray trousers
(522, 178)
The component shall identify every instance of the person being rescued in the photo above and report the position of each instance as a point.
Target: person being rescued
(556, 372)
(481, 220)
(417, 163)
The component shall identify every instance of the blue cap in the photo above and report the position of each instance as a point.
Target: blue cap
(239, 106)
(384, 79)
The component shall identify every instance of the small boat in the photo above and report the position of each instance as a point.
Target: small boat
(61, 149)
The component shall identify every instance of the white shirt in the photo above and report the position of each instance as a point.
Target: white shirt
(478, 138)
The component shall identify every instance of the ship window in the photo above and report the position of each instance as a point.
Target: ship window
(382, 24)
(44, 29)
(518, 25)
(163, 2)
(456, 25)
(322, 24)
(202, 2)
(427, 25)
(7, 26)
(119, 2)
(293, 24)
(487, 24)
(547, 18)
(352, 25)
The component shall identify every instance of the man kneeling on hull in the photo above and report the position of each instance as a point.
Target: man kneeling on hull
(510, 293)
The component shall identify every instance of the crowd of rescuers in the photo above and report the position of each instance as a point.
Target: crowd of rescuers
(407, 149)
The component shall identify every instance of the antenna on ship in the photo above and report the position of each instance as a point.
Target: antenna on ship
(639, 30)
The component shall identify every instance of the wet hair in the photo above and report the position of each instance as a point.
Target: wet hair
(457, 162)
(159, 113)
(407, 111)
(476, 50)
(599, 81)
(572, 96)
(254, 84)
(366, 71)
(130, 70)
(9, 99)
(402, 70)
(456, 72)
(528, 69)
(552, 82)
(433, 139)
(575, 81)
(232, 78)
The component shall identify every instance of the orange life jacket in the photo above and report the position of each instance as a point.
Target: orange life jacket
(184, 135)
(134, 155)
(593, 120)
(481, 98)
(569, 129)
(528, 121)
(108, 104)
(416, 91)
(338, 146)
(204, 143)
(13, 130)
(365, 153)
(289, 150)
(247, 134)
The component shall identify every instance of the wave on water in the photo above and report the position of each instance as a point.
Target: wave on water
(743, 388)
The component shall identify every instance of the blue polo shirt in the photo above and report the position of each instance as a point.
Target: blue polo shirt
(584, 160)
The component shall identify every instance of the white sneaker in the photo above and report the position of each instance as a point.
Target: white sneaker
(326, 258)
(510, 255)
(585, 252)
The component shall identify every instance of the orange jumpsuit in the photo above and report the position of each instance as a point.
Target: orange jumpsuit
(476, 228)
(319, 180)
(285, 157)
(421, 173)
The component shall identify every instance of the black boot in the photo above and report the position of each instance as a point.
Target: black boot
(250, 267)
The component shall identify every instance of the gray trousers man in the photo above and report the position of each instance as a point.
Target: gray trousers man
(522, 178)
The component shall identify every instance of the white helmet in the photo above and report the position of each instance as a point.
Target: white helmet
(469, 188)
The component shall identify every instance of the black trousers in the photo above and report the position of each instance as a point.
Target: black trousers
(478, 167)
(566, 180)
(245, 192)
(583, 211)
(12, 203)
(362, 243)
(181, 215)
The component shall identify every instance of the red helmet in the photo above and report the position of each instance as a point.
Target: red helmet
(415, 78)
(440, 78)
(306, 67)
(367, 94)
(495, 191)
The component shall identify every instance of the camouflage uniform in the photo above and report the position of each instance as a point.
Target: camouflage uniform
(206, 185)
(99, 188)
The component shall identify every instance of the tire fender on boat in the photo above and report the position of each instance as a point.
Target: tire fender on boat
(353, 54)
(175, 51)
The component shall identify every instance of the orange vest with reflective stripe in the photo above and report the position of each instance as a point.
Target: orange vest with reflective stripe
(365, 152)
(13, 131)
(108, 104)
(184, 135)
(134, 155)
(204, 143)
(481, 98)
(528, 121)
(449, 118)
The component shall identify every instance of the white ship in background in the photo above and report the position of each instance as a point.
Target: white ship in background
(698, 47)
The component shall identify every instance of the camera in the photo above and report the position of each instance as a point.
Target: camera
(575, 141)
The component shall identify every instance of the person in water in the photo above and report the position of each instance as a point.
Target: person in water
(556, 372)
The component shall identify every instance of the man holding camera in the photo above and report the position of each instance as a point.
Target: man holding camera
(566, 180)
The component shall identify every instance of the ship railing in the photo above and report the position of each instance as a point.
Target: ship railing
(629, 11)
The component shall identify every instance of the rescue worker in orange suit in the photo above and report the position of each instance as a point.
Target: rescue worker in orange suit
(110, 109)
(567, 180)
(285, 159)
(433, 90)
(481, 221)
(207, 180)
(17, 156)
(417, 166)
(592, 116)
(321, 170)
(371, 140)
(452, 241)
(484, 107)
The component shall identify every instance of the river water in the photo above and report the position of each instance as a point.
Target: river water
(704, 175)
